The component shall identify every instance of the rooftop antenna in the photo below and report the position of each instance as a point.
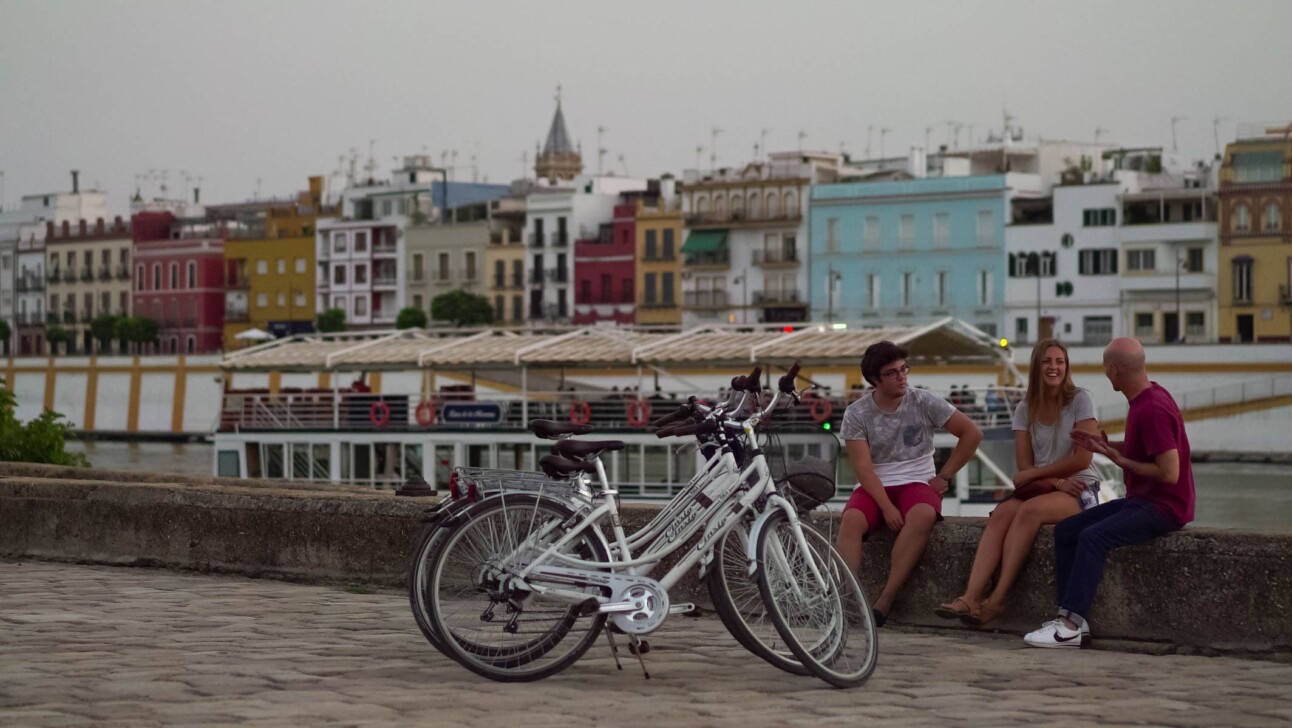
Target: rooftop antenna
(601, 151)
(371, 166)
(870, 131)
(1174, 119)
(1215, 132)
(802, 136)
(524, 164)
(624, 166)
(883, 133)
(352, 177)
(762, 143)
(1100, 131)
(699, 150)
(257, 197)
(164, 174)
(453, 156)
(969, 128)
(713, 147)
(475, 171)
(197, 190)
(927, 131)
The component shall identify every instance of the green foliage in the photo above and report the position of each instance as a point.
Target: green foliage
(330, 321)
(462, 309)
(43, 440)
(136, 330)
(56, 335)
(411, 318)
(104, 328)
(5, 331)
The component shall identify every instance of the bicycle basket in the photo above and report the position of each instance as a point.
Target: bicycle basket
(801, 460)
(808, 482)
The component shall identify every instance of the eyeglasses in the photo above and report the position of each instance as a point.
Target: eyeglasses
(893, 373)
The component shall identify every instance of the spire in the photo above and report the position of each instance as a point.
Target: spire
(559, 159)
(558, 137)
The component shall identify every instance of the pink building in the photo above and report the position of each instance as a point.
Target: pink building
(178, 282)
(604, 271)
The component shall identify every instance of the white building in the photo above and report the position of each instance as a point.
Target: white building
(554, 218)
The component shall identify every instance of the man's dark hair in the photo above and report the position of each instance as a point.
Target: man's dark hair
(878, 356)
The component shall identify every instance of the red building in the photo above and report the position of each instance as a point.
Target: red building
(604, 270)
(178, 282)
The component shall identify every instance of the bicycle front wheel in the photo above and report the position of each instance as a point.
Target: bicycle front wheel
(816, 602)
(494, 629)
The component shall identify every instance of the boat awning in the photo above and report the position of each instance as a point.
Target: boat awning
(705, 241)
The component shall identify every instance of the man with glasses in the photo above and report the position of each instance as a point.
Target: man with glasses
(889, 436)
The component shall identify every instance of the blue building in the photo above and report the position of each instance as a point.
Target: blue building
(911, 251)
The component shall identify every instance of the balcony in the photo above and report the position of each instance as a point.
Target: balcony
(740, 218)
(236, 315)
(535, 240)
(704, 299)
(386, 280)
(69, 317)
(87, 274)
(87, 315)
(536, 277)
(778, 298)
(53, 275)
(52, 317)
(557, 275)
(710, 261)
(123, 272)
(237, 282)
(560, 240)
(775, 258)
(442, 280)
(105, 272)
(69, 276)
(607, 299)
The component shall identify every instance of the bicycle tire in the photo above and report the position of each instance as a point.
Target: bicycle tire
(737, 599)
(462, 619)
(829, 626)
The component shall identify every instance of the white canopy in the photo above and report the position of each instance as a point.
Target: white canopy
(254, 334)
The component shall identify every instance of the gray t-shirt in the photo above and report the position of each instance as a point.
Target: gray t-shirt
(901, 442)
(1054, 442)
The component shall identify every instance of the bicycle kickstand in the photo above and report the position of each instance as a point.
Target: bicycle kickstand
(614, 648)
(639, 647)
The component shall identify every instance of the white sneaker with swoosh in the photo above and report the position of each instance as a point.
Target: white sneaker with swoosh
(1056, 634)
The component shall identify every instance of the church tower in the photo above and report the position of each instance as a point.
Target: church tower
(558, 160)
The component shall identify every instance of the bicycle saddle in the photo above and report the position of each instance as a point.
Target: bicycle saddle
(549, 430)
(558, 468)
(584, 448)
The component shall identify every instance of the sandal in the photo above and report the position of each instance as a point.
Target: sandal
(983, 615)
(949, 611)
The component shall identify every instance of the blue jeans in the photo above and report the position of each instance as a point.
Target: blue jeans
(1082, 544)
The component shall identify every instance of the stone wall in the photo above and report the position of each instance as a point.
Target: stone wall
(1197, 590)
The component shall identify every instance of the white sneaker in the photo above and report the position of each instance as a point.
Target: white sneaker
(1057, 634)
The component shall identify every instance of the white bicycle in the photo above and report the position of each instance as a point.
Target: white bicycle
(518, 585)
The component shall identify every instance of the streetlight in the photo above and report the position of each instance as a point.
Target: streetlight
(1179, 317)
(741, 281)
(832, 277)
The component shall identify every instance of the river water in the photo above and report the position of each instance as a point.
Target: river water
(1247, 496)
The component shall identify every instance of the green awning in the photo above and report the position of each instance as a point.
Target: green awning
(705, 241)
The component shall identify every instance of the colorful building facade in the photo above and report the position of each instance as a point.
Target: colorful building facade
(179, 283)
(88, 272)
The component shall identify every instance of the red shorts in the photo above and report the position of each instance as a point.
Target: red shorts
(905, 497)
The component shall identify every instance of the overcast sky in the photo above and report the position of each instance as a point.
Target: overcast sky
(262, 93)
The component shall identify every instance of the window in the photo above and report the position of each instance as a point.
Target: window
(1242, 218)
(174, 275)
(1243, 280)
(650, 289)
(517, 308)
(1144, 325)
(1099, 217)
(191, 274)
(157, 276)
(1270, 223)
(906, 290)
(1193, 262)
(906, 230)
(418, 267)
(360, 241)
(141, 278)
(755, 205)
(361, 274)
(832, 234)
(1258, 166)
(262, 300)
(1096, 330)
(941, 288)
(984, 287)
(282, 300)
(1030, 265)
(190, 344)
(300, 265)
(650, 253)
(338, 302)
(299, 299)
(338, 275)
(772, 205)
(1020, 329)
(941, 229)
(340, 243)
(986, 231)
(499, 307)
(360, 305)
(1141, 260)
(667, 283)
(870, 233)
(1098, 262)
(469, 262)
(443, 273)
(872, 290)
(667, 253)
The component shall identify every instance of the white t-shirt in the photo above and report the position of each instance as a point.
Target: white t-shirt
(1054, 442)
(901, 442)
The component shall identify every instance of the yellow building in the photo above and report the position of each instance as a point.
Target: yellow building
(270, 269)
(1254, 284)
(659, 262)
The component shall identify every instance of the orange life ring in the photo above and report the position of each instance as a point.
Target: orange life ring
(379, 413)
(821, 408)
(637, 411)
(580, 412)
(426, 413)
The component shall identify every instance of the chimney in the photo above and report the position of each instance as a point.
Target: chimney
(76, 181)
(81, 227)
(917, 163)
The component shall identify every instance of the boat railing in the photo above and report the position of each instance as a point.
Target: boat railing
(990, 408)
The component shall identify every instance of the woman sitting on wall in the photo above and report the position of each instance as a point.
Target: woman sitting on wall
(1054, 480)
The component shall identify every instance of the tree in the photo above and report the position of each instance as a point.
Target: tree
(5, 333)
(104, 328)
(56, 335)
(137, 330)
(411, 318)
(43, 440)
(462, 309)
(330, 321)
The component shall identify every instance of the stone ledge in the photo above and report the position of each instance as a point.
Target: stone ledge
(1200, 590)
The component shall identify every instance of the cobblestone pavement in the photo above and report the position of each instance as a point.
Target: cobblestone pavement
(83, 645)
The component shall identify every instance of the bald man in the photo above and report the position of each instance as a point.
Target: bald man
(1159, 494)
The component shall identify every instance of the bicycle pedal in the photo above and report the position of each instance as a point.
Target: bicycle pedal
(588, 607)
(640, 647)
(686, 608)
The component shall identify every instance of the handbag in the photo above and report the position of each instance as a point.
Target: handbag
(1033, 489)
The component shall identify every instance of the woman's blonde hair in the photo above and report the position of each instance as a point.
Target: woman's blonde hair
(1036, 391)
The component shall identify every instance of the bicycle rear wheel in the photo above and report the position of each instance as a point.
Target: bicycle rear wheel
(825, 620)
(739, 603)
(494, 630)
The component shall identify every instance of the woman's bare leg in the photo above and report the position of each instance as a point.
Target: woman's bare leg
(1034, 513)
(987, 557)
